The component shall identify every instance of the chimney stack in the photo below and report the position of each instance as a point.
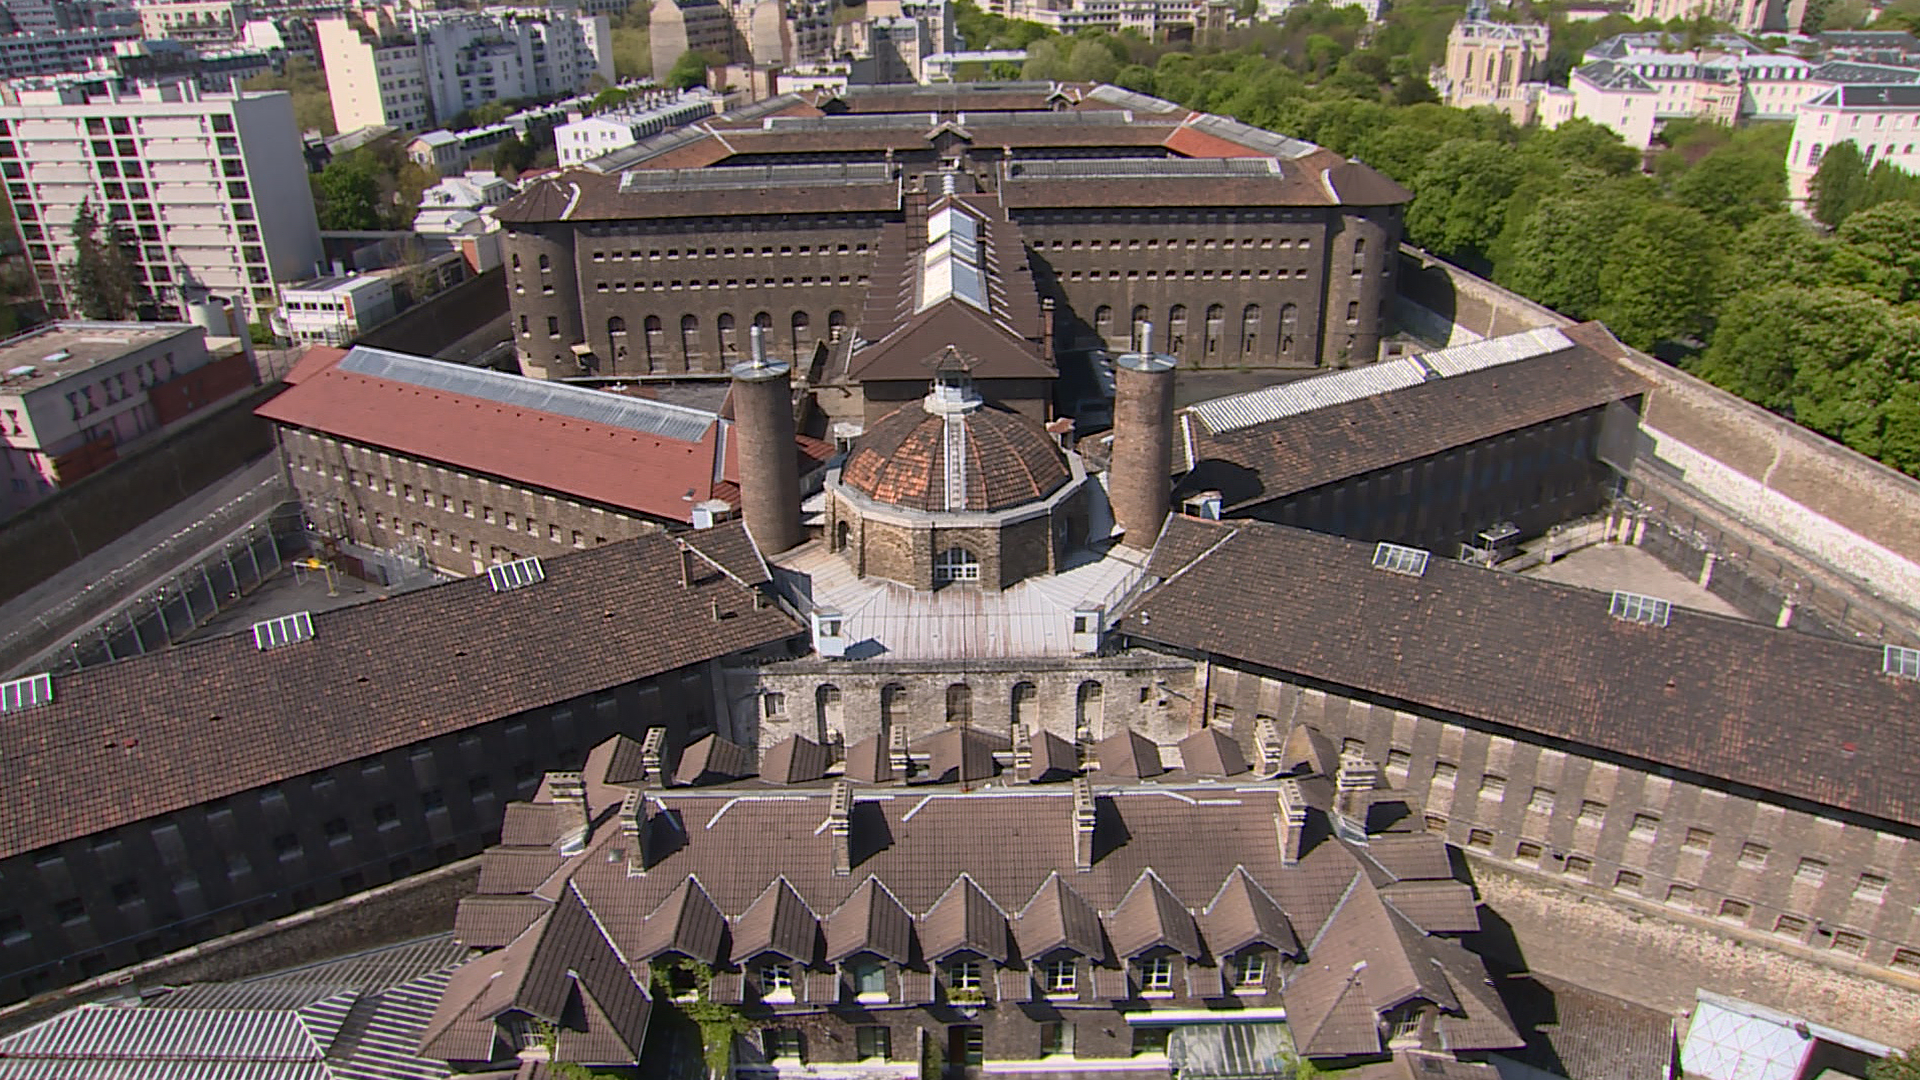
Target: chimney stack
(686, 565)
(1292, 821)
(1084, 816)
(633, 831)
(652, 755)
(1272, 749)
(897, 755)
(1140, 478)
(1022, 753)
(569, 792)
(769, 462)
(840, 825)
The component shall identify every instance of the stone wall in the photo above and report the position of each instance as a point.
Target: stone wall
(1451, 304)
(1765, 869)
(79, 520)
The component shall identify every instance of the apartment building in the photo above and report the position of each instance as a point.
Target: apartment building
(414, 69)
(334, 310)
(192, 20)
(197, 179)
(1883, 122)
(1746, 16)
(1488, 62)
(74, 395)
(53, 52)
(584, 137)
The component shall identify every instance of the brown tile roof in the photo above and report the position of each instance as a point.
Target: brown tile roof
(1416, 858)
(1151, 917)
(517, 870)
(711, 759)
(731, 550)
(870, 921)
(779, 921)
(488, 922)
(1243, 914)
(1183, 539)
(1054, 758)
(1212, 752)
(599, 197)
(964, 920)
(687, 923)
(1590, 1036)
(1802, 716)
(1128, 754)
(170, 729)
(1438, 907)
(1057, 917)
(960, 755)
(1282, 457)
(986, 347)
(794, 760)
(531, 824)
(901, 460)
(869, 762)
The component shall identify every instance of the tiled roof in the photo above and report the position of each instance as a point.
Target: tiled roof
(686, 922)
(1128, 754)
(1054, 758)
(1243, 914)
(1585, 1035)
(1149, 917)
(170, 729)
(490, 921)
(1007, 460)
(965, 919)
(779, 921)
(794, 760)
(712, 758)
(1438, 907)
(1802, 716)
(1211, 752)
(870, 921)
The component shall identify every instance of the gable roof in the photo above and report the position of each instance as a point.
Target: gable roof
(1151, 916)
(1242, 914)
(1212, 752)
(1057, 918)
(1804, 717)
(964, 919)
(686, 922)
(870, 920)
(1129, 754)
(780, 922)
(163, 731)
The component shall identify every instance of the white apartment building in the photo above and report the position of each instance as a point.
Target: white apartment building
(192, 20)
(1882, 122)
(414, 69)
(200, 181)
(334, 310)
(54, 52)
(583, 138)
(1746, 16)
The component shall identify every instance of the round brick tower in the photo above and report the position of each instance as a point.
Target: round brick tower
(1140, 480)
(769, 467)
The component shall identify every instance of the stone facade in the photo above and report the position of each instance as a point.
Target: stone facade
(119, 897)
(850, 701)
(903, 550)
(1699, 848)
(454, 520)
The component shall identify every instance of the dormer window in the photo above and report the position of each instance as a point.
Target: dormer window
(963, 977)
(1156, 974)
(869, 981)
(1061, 977)
(1250, 971)
(776, 981)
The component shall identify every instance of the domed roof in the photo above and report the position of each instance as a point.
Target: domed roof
(1005, 459)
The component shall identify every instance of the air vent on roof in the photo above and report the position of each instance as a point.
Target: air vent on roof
(1633, 607)
(1400, 559)
(21, 694)
(1902, 661)
(284, 630)
(516, 574)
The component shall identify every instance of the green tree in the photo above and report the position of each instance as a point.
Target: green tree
(1778, 249)
(104, 278)
(1411, 89)
(1553, 258)
(348, 193)
(1091, 61)
(312, 106)
(1734, 186)
(513, 156)
(1877, 251)
(1840, 185)
(1659, 279)
(690, 70)
(1460, 197)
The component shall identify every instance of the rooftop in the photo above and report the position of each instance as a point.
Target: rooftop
(58, 351)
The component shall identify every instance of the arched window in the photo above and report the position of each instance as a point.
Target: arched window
(1353, 312)
(1250, 330)
(893, 705)
(723, 325)
(956, 564)
(1216, 320)
(1177, 329)
(1089, 708)
(836, 325)
(959, 703)
(764, 321)
(1026, 698)
(842, 536)
(802, 336)
(1289, 322)
(617, 336)
(656, 342)
(690, 339)
(828, 713)
(1103, 323)
(546, 263)
(1140, 317)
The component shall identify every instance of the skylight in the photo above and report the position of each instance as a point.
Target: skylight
(1902, 661)
(21, 694)
(285, 630)
(1399, 559)
(1633, 607)
(950, 266)
(516, 574)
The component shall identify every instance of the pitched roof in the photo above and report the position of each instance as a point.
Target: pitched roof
(686, 922)
(794, 760)
(1212, 752)
(1006, 460)
(1129, 754)
(1780, 711)
(965, 919)
(1152, 917)
(1058, 918)
(779, 921)
(961, 754)
(869, 761)
(870, 920)
(490, 921)
(1437, 907)
(170, 729)
(710, 759)
(1054, 758)
(1243, 914)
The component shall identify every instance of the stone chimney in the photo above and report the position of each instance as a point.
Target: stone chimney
(653, 747)
(1355, 776)
(1022, 753)
(840, 825)
(769, 461)
(1140, 478)
(633, 831)
(1269, 744)
(897, 755)
(568, 790)
(1292, 820)
(1084, 816)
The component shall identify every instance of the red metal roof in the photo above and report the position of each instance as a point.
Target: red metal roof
(1194, 143)
(612, 466)
(317, 358)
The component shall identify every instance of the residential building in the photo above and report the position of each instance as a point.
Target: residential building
(762, 33)
(333, 310)
(76, 396)
(415, 68)
(53, 52)
(1249, 249)
(1896, 47)
(678, 27)
(197, 21)
(971, 900)
(177, 836)
(1488, 61)
(1154, 19)
(197, 180)
(1745, 16)
(584, 137)
(1881, 121)
(452, 151)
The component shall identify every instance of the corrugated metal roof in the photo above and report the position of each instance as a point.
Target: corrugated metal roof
(97, 1032)
(1290, 399)
(595, 406)
(1492, 352)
